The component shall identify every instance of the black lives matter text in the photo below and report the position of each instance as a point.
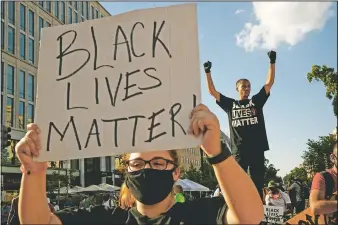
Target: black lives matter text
(120, 86)
(93, 133)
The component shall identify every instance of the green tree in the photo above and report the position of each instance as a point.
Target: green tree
(270, 173)
(297, 172)
(204, 176)
(329, 78)
(317, 156)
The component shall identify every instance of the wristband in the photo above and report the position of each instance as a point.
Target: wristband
(220, 157)
(272, 62)
(36, 171)
(207, 70)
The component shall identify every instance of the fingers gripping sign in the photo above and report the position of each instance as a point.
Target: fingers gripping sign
(29, 147)
(204, 122)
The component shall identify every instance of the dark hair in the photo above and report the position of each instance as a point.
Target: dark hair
(178, 188)
(241, 81)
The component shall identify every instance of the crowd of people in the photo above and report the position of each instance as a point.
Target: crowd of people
(149, 194)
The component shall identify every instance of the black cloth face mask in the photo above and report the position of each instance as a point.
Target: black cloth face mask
(150, 186)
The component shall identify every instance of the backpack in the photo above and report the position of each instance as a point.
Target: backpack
(302, 191)
(329, 184)
(306, 192)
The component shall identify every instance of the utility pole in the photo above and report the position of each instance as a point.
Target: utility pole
(59, 183)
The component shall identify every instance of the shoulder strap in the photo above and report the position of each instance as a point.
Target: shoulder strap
(329, 183)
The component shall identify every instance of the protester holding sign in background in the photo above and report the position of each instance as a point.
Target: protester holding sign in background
(324, 184)
(276, 197)
(154, 201)
(246, 120)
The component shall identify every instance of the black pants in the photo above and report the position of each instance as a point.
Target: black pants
(254, 161)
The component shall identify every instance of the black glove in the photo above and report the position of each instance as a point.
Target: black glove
(207, 66)
(272, 55)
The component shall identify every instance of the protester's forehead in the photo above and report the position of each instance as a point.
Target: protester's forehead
(244, 83)
(150, 155)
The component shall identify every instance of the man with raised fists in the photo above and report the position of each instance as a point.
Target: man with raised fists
(246, 120)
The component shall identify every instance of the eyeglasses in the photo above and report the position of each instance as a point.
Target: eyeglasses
(157, 163)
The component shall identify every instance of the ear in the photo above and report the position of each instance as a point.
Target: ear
(176, 174)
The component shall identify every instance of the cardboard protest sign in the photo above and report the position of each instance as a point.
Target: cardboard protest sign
(307, 217)
(273, 214)
(119, 84)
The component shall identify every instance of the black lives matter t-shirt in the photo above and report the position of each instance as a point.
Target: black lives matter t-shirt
(199, 211)
(246, 120)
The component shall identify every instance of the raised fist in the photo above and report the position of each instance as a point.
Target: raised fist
(28, 147)
(207, 66)
(272, 55)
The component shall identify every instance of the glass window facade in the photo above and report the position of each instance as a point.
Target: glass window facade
(22, 17)
(22, 84)
(22, 46)
(70, 15)
(21, 115)
(31, 87)
(11, 12)
(31, 22)
(11, 40)
(9, 111)
(31, 50)
(30, 113)
(41, 21)
(10, 80)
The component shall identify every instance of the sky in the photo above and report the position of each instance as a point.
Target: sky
(235, 37)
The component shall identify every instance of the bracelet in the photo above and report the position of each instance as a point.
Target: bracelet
(220, 157)
(29, 171)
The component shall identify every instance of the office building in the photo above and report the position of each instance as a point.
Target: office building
(21, 23)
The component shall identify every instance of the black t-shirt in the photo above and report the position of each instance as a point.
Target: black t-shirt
(199, 211)
(246, 121)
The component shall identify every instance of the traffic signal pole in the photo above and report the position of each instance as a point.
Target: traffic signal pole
(5, 136)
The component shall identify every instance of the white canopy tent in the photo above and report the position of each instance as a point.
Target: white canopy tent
(99, 188)
(91, 188)
(108, 187)
(189, 185)
(197, 186)
(72, 190)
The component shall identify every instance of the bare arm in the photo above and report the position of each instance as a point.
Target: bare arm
(270, 79)
(211, 87)
(319, 205)
(33, 207)
(240, 193)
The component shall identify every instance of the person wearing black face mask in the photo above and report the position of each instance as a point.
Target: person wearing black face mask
(150, 178)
